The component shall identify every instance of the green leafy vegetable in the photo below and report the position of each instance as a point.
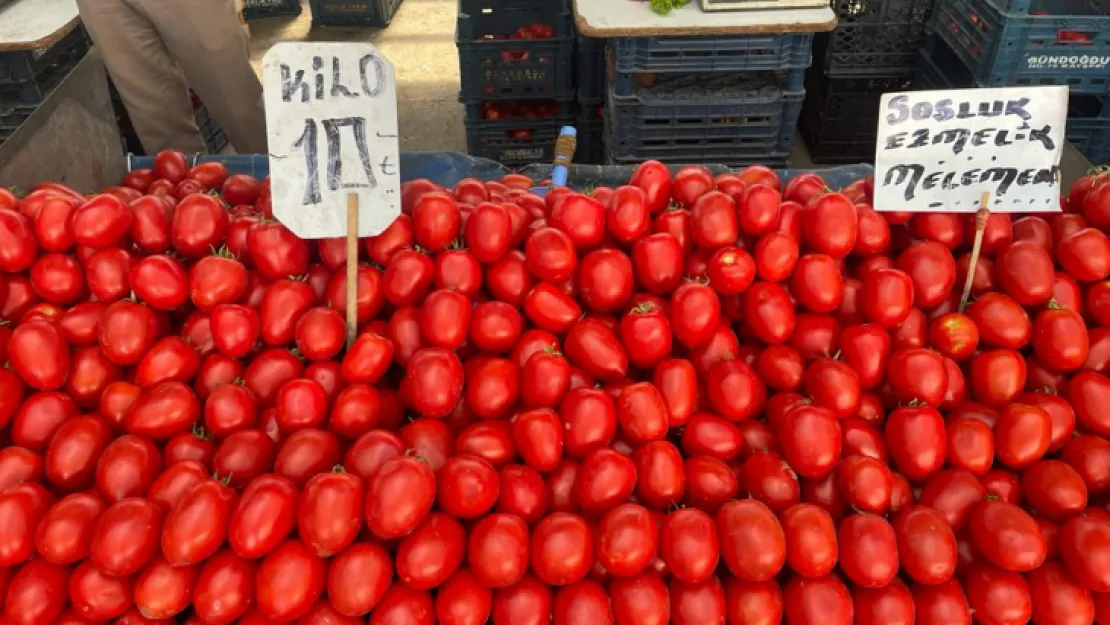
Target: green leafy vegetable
(663, 7)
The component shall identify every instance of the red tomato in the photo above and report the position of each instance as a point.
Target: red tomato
(289, 581)
(399, 497)
(933, 270)
(1084, 544)
(997, 596)
(830, 225)
(916, 439)
(1022, 435)
(811, 548)
(817, 601)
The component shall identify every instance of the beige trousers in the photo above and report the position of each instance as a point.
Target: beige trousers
(156, 49)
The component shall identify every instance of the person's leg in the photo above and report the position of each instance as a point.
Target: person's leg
(209, 43)
(148, 80)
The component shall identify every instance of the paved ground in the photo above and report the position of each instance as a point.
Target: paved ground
(421, 44)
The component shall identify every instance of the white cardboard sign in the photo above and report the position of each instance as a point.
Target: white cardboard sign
(331, 118)
(939, 151)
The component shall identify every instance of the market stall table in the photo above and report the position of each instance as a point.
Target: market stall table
(34, 24)
(631, 18)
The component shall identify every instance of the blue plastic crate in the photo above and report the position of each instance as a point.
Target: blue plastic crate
(590, 59)
(873, 37)
(448, 168)
(373, 13)
(1006, 43)
(1088, 126)
(734, 110)
(493, 65)
(257, 9)
(711, 54)
(515, 141)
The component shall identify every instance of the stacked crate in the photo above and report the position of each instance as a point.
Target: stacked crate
(257, 9)
(728, 100)
(374, 13)
(28, 77)
(516, 67)
(997, 43)
(873, 50)
(590, 60)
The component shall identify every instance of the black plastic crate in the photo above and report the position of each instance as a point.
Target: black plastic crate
(27, 65)
(494, 64)
(13, 118)
(591, 129)
(873, 37)
(257, 9)
(737, 110)
(626, 84)
(375, 13)
(214, 137)
(711, 54)
(840, 117)
(731, 157)
(515, 140)
(32, 92)
(590, 57)
(1030, 42)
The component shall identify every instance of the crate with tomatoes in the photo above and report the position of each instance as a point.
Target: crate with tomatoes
(516, 68)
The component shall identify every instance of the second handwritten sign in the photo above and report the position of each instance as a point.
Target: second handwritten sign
(939, 151)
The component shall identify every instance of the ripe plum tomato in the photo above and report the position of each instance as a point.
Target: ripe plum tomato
(954, 335)
(830, 225)
(817, 284)
(769, 312)
(918, 374)
(997, 376)
(1025, 272)
(1084, 544)
(433, 381)
(1060, 339)
(605, 280)
(810, 533)
(811, 440)
(289, 581)
(752, 541)
(562, 549)
(926, 545)
(627, 538)
(1007, 536)
(915, 436)
(887, 297)
(817, 601)
(399, 497)
(933, 270)
(868, 550)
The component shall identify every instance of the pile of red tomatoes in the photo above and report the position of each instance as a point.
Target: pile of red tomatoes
(690, 399)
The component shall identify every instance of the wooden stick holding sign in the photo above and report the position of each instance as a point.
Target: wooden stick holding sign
(331, 117)
(352, 268)
(981, 219)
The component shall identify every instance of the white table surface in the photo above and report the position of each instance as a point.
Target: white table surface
(30, 24)
(633, 18)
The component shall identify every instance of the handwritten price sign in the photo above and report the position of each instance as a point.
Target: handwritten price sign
(939, 151)
(331, 116)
